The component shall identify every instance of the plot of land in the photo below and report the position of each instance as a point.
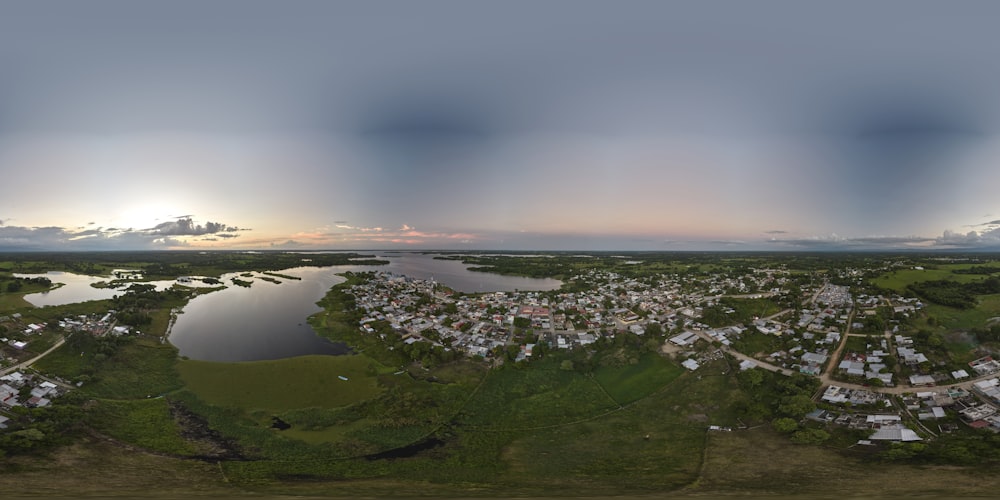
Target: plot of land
(303, 382)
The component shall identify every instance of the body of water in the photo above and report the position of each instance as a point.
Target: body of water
(268, 320)
(265, 321)
(457, 276)
(77, 288)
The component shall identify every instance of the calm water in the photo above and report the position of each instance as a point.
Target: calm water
(269, 321)
(76, 288)
(456, 275)
(265, 321)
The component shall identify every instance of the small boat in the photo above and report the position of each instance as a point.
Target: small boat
(341, 377)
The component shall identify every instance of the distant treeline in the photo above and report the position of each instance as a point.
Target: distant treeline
(171, 264)
(978, 270)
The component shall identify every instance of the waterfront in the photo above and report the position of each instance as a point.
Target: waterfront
(269, 320)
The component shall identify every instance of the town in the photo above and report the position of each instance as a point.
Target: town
(873, 376)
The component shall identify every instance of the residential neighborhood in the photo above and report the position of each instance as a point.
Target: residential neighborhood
(874, 377)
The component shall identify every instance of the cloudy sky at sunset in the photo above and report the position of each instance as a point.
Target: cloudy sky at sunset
(552, 124)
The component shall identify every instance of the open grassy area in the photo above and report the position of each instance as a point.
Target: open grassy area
(952, 318)
(899, 279)
(541, 395)
(95, 467)
(302, 382)
(758, 462)
(13, 302)
(633, 382)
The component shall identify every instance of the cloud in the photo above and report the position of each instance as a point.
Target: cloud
(362, 229)
(775, 231)
(836, 242)
(165, 235)
(185, 226)
(970, 239)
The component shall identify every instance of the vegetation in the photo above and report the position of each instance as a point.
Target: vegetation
(616, 417)
(147, 423)
(732, 311)
(954, 294)
(172, 264)
(302, 382)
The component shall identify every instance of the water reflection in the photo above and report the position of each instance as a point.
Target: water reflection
(265, 321)
(456, 275)
(269, 320)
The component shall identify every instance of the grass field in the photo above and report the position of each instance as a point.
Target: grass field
(760, 463)
(898, 280)
(302, 382)
(541, 395)
(652, 446)
(143, 422)
(634, 382)
(13, 302)
(952, 318)
(94, 467)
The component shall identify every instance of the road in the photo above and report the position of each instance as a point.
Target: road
(827, 380)
(741, 356)
(21, 366)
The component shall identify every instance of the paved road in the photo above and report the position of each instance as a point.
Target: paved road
(21, 366)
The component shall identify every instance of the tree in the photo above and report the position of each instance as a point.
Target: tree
(784, 425)
(566, 365)
(796, 406)
(753, 377)
(810, 436)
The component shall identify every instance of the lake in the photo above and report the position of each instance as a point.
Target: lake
(457, 276)
(268, 320)
(264, 321)
(77, 288)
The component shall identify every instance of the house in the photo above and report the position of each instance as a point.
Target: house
(686, 338)
(895, 432)
(690, 364)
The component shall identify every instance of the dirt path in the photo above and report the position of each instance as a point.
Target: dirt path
(21, 366)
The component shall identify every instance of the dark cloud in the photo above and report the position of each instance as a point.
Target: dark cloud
(187, 227)
(168, 234)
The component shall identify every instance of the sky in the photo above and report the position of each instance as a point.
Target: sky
(514, 125)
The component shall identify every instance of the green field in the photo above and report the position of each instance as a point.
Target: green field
(143, 422)
(140, 367)
(952, 318)
(302, 382)
(899, 279)
(634, 382)
(759, 463)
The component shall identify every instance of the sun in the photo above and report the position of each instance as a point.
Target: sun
(145, 216)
